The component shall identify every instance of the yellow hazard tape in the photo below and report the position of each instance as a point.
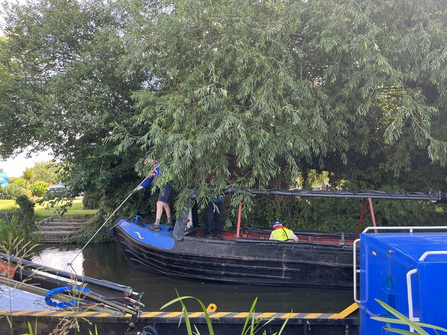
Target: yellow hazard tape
(212, 308)
(346, 312)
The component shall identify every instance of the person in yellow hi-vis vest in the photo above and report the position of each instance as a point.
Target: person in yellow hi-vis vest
(282, 233)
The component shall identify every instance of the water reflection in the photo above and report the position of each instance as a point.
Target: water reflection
(60, 258)
(11, 298)
(105, 262)
(236, 298)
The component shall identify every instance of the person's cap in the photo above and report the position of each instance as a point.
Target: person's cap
(277, 223)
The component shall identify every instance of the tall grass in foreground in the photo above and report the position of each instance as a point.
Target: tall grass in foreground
(13, 244)
(67, 325)
(14, 236)
(14, 241)
(403, 320)
(251, 325)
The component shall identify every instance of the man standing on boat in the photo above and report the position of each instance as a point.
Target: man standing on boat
(165, 194)
(213, 212)
(282, 233)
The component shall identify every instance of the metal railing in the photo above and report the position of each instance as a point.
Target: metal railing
(356, 271)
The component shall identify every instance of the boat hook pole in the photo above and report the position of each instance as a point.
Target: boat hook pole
(131, 193)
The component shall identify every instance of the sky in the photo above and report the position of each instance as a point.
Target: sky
(14, 167)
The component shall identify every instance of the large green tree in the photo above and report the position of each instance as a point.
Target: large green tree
(65, 89)
(266, 88)
(256, 91)
(47, 172)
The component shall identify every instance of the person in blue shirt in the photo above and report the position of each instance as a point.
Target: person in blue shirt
(164, 196)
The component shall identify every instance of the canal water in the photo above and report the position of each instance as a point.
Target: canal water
(105, 262)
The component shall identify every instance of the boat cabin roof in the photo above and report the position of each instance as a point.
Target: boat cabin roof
(432, 196)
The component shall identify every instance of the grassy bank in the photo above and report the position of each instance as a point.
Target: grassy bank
(42, 211)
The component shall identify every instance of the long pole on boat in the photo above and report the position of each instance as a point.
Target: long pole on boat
(111, 215)
(84, 279)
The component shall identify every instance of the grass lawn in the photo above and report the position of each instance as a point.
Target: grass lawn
(7, 205)
(40, 212)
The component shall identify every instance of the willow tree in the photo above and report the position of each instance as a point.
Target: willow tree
(262, 89)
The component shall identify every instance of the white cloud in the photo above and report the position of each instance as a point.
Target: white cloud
(14, 167)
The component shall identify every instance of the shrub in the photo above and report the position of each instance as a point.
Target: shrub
(251, 326)
(9, 228)
(12, 234)
(3, 193)
(26, 211)
(91, 200)
(39, 188)
(12, 191)
(19, 182)
(91, 228)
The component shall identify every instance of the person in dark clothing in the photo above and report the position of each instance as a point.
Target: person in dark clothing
(213, 212)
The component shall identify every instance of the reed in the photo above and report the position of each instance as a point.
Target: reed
(418, 327)
(13, 244)
(251, 325)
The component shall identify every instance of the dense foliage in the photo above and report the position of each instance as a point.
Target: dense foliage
(14, 239)
(12, 191)
(47, 172)
(26, 212)
(256, 93)
(39, 188)
(16, 226)
(279, 87)
(64, 89)
(340, 215)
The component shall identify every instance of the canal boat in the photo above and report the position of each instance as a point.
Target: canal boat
(246, 255)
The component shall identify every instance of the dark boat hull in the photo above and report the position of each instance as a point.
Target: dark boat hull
(242, 261)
